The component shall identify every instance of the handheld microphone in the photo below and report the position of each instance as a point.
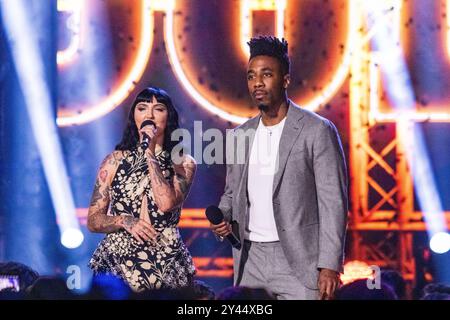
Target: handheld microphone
(215, 216)
(145, 138)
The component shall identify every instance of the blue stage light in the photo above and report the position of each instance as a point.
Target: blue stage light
(24, 46)
(401, 95)
(440, 242)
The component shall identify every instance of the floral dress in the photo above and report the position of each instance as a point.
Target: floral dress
(165, 263)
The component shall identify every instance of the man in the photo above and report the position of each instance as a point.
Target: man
(288, 201)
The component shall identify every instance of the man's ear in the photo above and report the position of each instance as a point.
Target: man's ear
(286, 80)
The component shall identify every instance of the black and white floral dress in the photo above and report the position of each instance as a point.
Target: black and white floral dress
(164, 264)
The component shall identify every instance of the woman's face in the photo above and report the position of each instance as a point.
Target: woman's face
(154, 111)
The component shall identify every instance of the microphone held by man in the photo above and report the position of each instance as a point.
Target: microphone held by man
(221, 227)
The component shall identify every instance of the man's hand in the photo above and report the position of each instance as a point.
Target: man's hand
(328, 283)
(222, 229)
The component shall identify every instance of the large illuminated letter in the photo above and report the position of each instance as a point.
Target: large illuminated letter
(127, 84)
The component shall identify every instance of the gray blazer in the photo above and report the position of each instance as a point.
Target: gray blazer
(309, 193)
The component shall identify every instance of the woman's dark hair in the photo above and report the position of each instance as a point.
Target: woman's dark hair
(130, 138)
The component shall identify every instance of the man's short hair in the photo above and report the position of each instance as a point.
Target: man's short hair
(273, 47)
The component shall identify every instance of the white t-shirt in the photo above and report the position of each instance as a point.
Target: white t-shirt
(263, 164)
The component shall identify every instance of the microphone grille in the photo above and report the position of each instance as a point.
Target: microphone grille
(214, 214)
(147, 123)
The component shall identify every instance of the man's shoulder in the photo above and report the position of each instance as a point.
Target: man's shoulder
(311, 117)
(250, 123)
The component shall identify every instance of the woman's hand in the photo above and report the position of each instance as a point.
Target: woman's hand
(151, 132)
(140, 229)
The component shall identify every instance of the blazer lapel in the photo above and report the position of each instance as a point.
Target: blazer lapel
(252, 125)
(291, 131)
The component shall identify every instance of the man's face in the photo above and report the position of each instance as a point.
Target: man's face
(266, 82)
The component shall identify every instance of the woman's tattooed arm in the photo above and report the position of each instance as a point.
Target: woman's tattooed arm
(167, 194)
(98, 220)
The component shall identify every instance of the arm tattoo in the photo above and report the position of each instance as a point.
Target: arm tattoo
(187, 179)
(110, 160)
(159, 184)
(168, 193)
(103, 175)
(129, 222)
(98, 220)
(96, 195)
(183, 184)
(163, 190)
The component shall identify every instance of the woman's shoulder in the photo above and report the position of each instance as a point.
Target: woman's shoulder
(114, 158)
(119, 155)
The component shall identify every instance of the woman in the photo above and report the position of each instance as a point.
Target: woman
(143, 190)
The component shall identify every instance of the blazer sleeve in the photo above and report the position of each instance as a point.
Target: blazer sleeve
(330, 174)
(226, 201)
